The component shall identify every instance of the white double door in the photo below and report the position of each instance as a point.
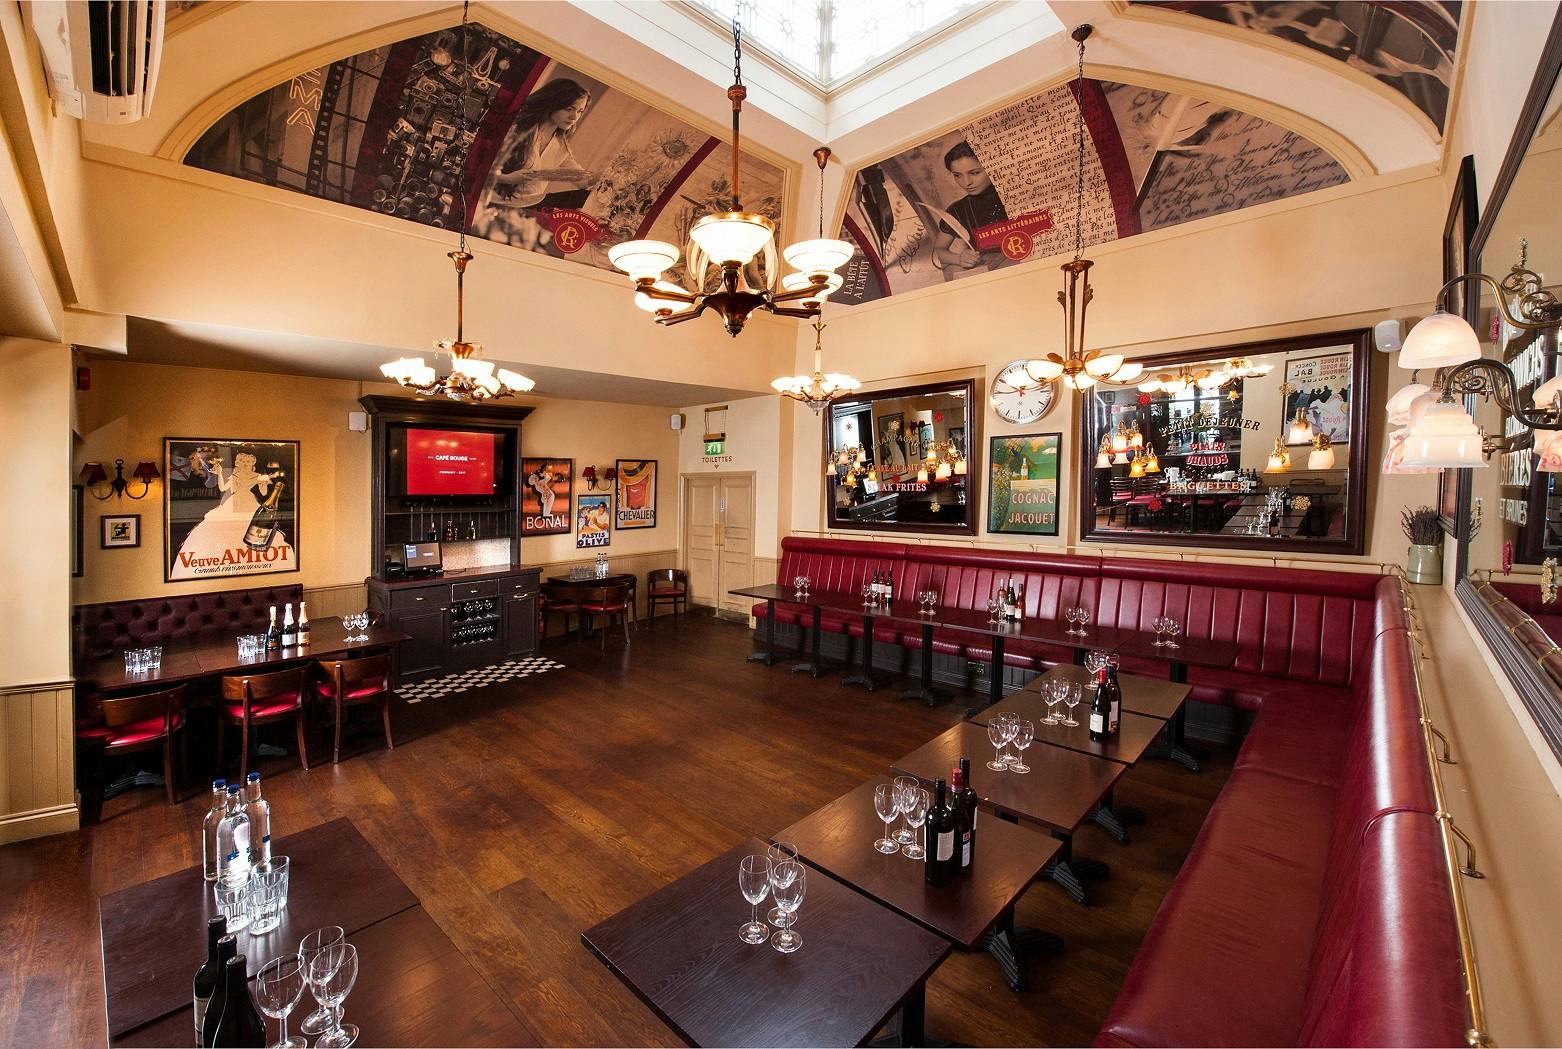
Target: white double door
(718, 537)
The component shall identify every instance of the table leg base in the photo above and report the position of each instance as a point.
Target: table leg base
(770, 659)
(1070, 874)
(971, 712)
(1006, 947)
(811, 669)
(865, 680)
(1116, 819)
(931, 696)
(1181, 755)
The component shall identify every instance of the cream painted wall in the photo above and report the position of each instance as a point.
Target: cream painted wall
(132, 407)
(758, 433)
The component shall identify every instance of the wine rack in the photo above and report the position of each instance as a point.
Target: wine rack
(474, 622)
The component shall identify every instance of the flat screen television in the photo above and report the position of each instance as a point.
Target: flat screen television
(428, 462)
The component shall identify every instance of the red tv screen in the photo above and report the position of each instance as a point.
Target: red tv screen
(450, 462)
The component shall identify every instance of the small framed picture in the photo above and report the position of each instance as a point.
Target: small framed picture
(120, 530)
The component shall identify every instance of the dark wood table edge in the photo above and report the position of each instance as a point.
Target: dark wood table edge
(1001, 810)
(585, 938)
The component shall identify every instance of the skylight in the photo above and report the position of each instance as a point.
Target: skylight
(831, 40)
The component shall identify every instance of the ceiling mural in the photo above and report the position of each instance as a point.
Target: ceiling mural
(556, 162)
(1408, 44)
(1001, 189)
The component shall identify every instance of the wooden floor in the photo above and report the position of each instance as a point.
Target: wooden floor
(524, 813)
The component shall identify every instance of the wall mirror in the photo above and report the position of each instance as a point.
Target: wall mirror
(1260, 446)
(904, 460)
(1511, 539)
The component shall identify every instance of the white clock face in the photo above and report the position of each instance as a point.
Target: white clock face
(1018, 398)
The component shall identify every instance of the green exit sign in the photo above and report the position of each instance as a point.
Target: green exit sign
(715, 447)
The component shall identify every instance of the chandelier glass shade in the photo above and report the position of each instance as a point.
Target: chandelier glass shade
(1207, 379)
(1444, 437)
(820, 388)
(1300, 430)
(1322, 455)
(731, 242)
(1279, 459)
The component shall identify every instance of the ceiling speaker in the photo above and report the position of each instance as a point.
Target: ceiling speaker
(1386, 335)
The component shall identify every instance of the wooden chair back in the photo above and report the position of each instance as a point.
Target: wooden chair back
(119, 711)
(349, 674)
(673, 576)
(252, 687)
(617, 594)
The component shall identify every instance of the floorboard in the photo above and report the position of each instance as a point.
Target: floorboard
(525, 812)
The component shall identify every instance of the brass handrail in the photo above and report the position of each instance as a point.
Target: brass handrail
(1476, 1036)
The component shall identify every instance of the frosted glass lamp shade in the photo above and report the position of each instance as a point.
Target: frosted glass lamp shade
(1398, 407)
(1129, 371)
(922, 476)
(664, 306)
(1320, 458)
(643, 259)
(1079, 381)
(799, 281)
(1547, 392)
(1103, 366)
(1044, 369)
(1444, 437)
(1103, 461)
(733, 237)
(818, 256)
(1439, 341)
(403, 369)
(516, 381)
(1300, 430)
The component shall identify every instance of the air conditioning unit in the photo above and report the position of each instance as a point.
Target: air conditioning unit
(101, 56)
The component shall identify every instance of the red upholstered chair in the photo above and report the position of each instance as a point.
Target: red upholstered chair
(261, 699)
(611, 602)
(666, 586)
(346, 683)
(563, 601)
(127, 724)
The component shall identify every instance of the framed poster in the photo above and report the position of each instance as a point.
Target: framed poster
(891, 442)
(592, 516)
(1453, 486)
(547, 494)
(230, 507)
(1022, 483)
(635, 489)
(1321, 389)
(119, 531)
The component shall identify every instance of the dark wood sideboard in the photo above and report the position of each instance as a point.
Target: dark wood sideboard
(459, 620)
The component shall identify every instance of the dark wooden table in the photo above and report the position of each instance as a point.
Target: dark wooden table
(1161, 698)
(1154, 697)
(154, 938)
(565, 582)
(1062, 789)
(975, 909)
(859, 964)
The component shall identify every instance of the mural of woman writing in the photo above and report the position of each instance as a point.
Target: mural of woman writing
(953, 249)
(539, 171)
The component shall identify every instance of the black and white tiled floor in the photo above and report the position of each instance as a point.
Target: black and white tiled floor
(467, 680)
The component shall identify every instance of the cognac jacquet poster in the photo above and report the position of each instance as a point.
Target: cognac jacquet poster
(231, 508)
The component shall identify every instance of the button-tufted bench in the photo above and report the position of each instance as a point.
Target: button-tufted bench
(100, 630)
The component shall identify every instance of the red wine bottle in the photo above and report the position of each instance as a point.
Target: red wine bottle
(211, 1020)
(240, 1026)
(965, 813)
(940, 830)
(1114, 721)
(206, 975)
(1100, 708)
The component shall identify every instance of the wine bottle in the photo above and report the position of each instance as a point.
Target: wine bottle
(289, 631)
(1019, 603)
(266, 519)
(240, 1026)
(1009, 603)
(206, 975)
(1114, 721)
(273, 632)
(965, 813)
(211, 1019)
(889, 587)
(940, 831)
(258, 809)
(233, 842)
(303, 625)
(209, 828)
(1100, 707)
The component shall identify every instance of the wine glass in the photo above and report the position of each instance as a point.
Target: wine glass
(1074, 690)
(994, 606)
(867, 595)
(797, 585)
(779, 853)
(1160, 632)
(998, 736)
(311, 945)
(332, 973)
(1071, 617)
(807, 582)
(1095, 660)
(1024, 732)
(1053, 694)
(754, 884)
(904, 785)
(916, 806)
(788, 881)
(278, 987)
(1173, 628)
(1083, 615)
(887, 804)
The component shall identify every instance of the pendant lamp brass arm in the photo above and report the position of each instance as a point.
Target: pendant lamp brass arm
(811, 291)
(647, 287)
(1489, 378)
(1539, 302)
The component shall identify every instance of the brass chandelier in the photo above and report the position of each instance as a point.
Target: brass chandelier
(820, 388)
(1078, 369)
(728, 241)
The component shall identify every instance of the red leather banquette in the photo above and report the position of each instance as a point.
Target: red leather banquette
(102, 629)
(1313, 907)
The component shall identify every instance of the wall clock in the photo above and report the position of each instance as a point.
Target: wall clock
(1019, 398)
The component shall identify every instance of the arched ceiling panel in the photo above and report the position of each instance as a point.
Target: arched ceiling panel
(1407, 45)
(1001, 189)
(555, 160)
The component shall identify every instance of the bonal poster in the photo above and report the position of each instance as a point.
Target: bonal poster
(636, 489)
(230, 508)
(547, 487)
(1022, 484)
(592, 517)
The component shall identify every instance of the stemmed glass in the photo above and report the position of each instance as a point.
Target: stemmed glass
(754, 884)
(311, 945)
(779, 853)
(1173, 628)
(788, 881)
(1160, 631)
(1094, 661)
(356, 624)
(999, 731)
(886, 802)
(278, 987)
(915, 804)
(332, 973)
(1071, 699)
(904, 785)
(1080, 617)
(1053, 694)
(1024, 732)
(994, 607)
(797, 585)
(867, 595)
(807, 582)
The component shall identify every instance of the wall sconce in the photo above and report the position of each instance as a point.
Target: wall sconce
(594, 480)
(1300, 431)
(97, 481)
(1279, 459)
(1322, 455)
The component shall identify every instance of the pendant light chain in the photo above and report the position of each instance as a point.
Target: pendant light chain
(466, 147)
(1079, 184)
(737, 93)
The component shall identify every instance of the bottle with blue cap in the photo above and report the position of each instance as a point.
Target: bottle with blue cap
(233, 842)
(258, 809)
(209, 828)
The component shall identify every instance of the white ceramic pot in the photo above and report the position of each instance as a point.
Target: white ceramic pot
(1424, 563)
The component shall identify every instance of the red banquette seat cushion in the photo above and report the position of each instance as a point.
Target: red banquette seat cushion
(102, 629)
